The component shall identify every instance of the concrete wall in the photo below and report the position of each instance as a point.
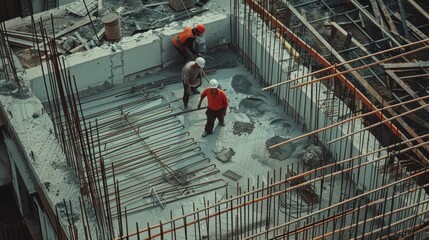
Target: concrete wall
(46, 228)
(133, 55)
(39, 5)
(63, 2)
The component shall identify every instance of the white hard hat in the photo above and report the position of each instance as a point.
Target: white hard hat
(213, 83)
(200, 61)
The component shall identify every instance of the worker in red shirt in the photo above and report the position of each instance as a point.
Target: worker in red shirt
(216, 106)
(184, 42)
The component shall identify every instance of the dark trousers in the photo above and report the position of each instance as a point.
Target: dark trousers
(211, 117)
(186, 95)
(186, 54)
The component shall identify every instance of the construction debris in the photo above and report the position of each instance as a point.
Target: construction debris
(78, 7)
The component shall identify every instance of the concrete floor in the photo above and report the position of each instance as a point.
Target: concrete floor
(255, 120)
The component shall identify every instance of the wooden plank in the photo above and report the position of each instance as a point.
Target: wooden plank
(415, 118)
(79, 48)
(403, 19)
(368, 88)
(420, 9)
(24, 36)
(405, 65)
(156, 4)
(405, 86)
(354, 41)
(419, 33)
(343, 23)
(421, 76)
(74, 27)
(386, 14)
(377, 13)
(369, 17)
(20, 42)
(85, 44)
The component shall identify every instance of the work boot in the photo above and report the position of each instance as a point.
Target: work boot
(222, 123)
(194, 90)
(185, 106)
(204, 134)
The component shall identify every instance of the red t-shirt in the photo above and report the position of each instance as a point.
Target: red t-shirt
(215, 102)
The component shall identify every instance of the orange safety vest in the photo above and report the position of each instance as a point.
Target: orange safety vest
(180, 39)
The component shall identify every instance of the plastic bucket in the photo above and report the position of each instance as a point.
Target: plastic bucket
(112, 26)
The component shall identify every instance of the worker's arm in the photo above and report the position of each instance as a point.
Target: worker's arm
(225, 100)
(185, 77)
(189, 43)
(203, 95)
(200, 75)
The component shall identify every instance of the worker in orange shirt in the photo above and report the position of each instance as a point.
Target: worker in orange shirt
(216, 106)
(184, 42)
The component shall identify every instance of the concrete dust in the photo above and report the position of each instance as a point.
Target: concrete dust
(7, 86)
(65, 212)
(225, 154)
(68, 176)
(282, 152)
(70, 43)
(281, 122)
(145, 18)
(217, 58)
(90, 91)
(240, 128)
(253, 107)
(241, 84)
(312, 154)
(86, 32)
(23, 94)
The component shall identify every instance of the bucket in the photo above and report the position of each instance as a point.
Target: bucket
(112, 26)
(200, 44)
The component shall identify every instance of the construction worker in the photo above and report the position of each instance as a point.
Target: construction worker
(192, 73)
(184, 42)
(216, 106)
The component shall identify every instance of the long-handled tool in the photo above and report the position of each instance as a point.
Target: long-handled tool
(208, 81)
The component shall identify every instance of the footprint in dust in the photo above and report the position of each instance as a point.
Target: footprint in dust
(253, 107)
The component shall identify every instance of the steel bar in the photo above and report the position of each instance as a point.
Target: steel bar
(312, 52)
(378, 123)
(348, 200)
(361, 67)
(370, 18)
(344, 121)
(173, 199)
(137, 194)
(168, 186)
(295, 187)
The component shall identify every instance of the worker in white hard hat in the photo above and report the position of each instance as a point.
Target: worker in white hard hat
(217, 104)
(184, 41)
(192, 73)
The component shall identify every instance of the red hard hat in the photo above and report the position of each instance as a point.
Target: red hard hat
(201, 28)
